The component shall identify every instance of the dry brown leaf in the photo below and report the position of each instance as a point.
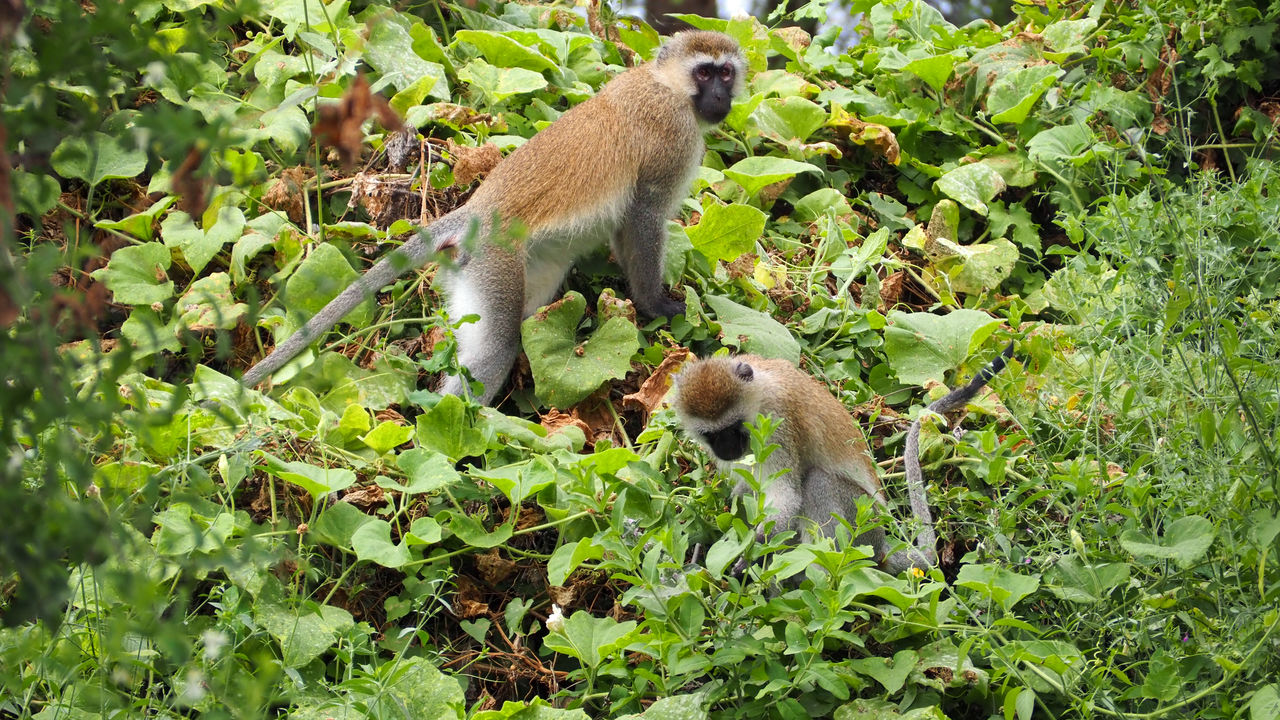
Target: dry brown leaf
(555, 421)
(467, 602)
(366, 497)
(339, 125)
(649, 397)
(287, 193)
(493, 567)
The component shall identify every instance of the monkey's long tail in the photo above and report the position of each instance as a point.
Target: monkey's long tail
(408, 256)
(927, 540)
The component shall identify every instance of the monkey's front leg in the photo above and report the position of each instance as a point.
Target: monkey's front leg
(640, 247)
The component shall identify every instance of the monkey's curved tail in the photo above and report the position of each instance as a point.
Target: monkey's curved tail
(925, 553)
(412, 254)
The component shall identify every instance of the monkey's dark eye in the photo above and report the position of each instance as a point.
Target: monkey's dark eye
(702, 74)
(744, 372)
(726, 73)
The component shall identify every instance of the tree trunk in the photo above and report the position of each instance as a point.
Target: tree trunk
(656, 10)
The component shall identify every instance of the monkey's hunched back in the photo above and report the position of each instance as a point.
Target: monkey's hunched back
(613, 168)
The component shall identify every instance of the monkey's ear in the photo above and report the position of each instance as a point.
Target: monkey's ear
(744, 372)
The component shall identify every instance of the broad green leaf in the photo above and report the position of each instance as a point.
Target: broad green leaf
(727, 549)
(405, 688)
(137, 275)
(1185, 541)
(35, 194)
(261, 233)
(753, 331)
(499, 84)
(924, 346)
(372, 542)
(198, 246)
(569, 556)
(1060, 143)
(727, 231)
(565, 370)
(590, 639)
(1162, 681)
(754, 173)
(1072, 580)
(97, 157)
(319, 279)
(470, 531)
(1059, 659)
(1012, 96)
(428, 471)
(1265, 703)
(286, 126)
(303, 633)
(503, 51)
(972, 185)
(788, 118)
(446, 429)
(976, 268)
(1002, 586)
(316, 480)
(391, 52)
(935, 71)
(338, 524)
(1068, 36)
(817, 203)
(140, 225)
(424, 531)
(889, 672)
(537, 709)
(878, 709)
(208, 305)
(303, 13)
(386, 436)
(522, 479)
(673, 707)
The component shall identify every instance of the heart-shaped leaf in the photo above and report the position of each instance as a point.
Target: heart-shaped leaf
(566, 370)
(137, 275)
(96, 157)
(727, 231)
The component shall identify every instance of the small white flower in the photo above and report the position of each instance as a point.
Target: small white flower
(555, 621)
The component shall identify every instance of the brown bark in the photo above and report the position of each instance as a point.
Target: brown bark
(656, 10)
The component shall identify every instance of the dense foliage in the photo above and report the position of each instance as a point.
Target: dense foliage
(1096, 181)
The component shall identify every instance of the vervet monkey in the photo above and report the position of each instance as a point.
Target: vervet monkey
(613, 168)
(818, 442)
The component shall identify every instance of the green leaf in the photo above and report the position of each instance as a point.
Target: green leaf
(924, 346)
(788, 118)
(727, 231)
(199, 246)
(1002, 586)
(815, 204)
(1060, 143)
(391, 52)
(590, 639)
(1072, 580)
(674, 707)
(935, 71)
(140, 225)
(428, 471)
(1162, 682)
(569, 556)
(537, 709)
(1068, 36)
(1185, 541)
(504, 51)
(565, 370)
(208, 305)
(499, 84)
(387, 436)
(754, 173)
(136, 275)
(338, 524)
(303, 633)
(470, 531)
(753, 331)
(1012, 96)
(372, 542)
(975, 268)
(522, 479)
(97, 157)
(316, 480)
(404, 688)
(424, 531)
(890, 673)
(446, 429)
(1265, 703)
(319, 279)
(972, 185)
(34, 194)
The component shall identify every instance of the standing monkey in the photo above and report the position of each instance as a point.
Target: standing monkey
(818, 442)
(613, 168)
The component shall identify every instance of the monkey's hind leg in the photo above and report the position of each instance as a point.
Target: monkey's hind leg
(491, 285)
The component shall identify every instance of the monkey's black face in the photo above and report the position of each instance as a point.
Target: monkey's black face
(728, 443)
(715, 90)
